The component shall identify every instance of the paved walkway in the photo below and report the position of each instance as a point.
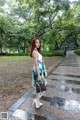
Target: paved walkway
(62, 99)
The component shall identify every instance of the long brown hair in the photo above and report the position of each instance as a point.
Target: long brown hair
(33, 46)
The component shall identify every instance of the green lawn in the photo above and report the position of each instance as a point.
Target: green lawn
(14, 58)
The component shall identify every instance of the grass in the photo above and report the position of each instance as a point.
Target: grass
(14, 58)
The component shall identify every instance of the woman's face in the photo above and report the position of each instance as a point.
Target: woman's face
(37, 43)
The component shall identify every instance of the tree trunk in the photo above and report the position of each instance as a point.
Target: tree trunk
(1, 50)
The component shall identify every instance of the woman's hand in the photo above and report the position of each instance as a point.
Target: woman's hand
(39, 77)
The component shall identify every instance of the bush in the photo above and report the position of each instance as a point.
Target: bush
(77, 51)
(3, 54)
(44, 53)
(17, 54)
(54, 53)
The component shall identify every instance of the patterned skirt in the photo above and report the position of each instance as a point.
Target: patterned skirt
(35, 78)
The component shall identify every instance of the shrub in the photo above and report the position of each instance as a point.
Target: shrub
(54, 53)
(77, 51)
(44, 53)
(17, 54)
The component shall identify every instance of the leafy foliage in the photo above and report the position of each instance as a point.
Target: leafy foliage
(56, 24)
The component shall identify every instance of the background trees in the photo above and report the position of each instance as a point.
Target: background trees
(56, 22)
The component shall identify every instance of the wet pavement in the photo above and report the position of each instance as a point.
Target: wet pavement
(62, 98)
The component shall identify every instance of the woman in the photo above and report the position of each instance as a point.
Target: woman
(39, 69)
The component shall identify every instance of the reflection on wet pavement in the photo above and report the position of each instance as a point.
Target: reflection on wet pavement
(65, 89)
(60, 88)
(71, 65)
(67, 75)
(45, 98)
(66, 104)
(67, 81)
(23, 115)
(72, 105)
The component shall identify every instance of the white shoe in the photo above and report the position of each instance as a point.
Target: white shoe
(40, 104)
(36, 104)
(46, 83)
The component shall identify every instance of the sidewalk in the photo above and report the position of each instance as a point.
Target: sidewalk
(61, 100)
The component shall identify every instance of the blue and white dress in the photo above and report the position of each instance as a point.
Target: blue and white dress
(42, 70)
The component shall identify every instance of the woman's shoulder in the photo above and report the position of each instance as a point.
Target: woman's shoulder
(34, 52)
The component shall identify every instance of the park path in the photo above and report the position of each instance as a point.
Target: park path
(62, 98)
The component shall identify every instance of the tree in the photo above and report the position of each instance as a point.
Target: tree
(56, 24)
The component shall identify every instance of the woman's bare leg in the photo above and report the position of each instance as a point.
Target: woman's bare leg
(40, 94)
(37, 97)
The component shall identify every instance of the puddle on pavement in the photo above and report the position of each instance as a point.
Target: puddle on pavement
(65, 104)
(65, 89)
(66, 75)
(66, 81)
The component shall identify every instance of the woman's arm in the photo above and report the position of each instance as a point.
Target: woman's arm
(35, 56)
